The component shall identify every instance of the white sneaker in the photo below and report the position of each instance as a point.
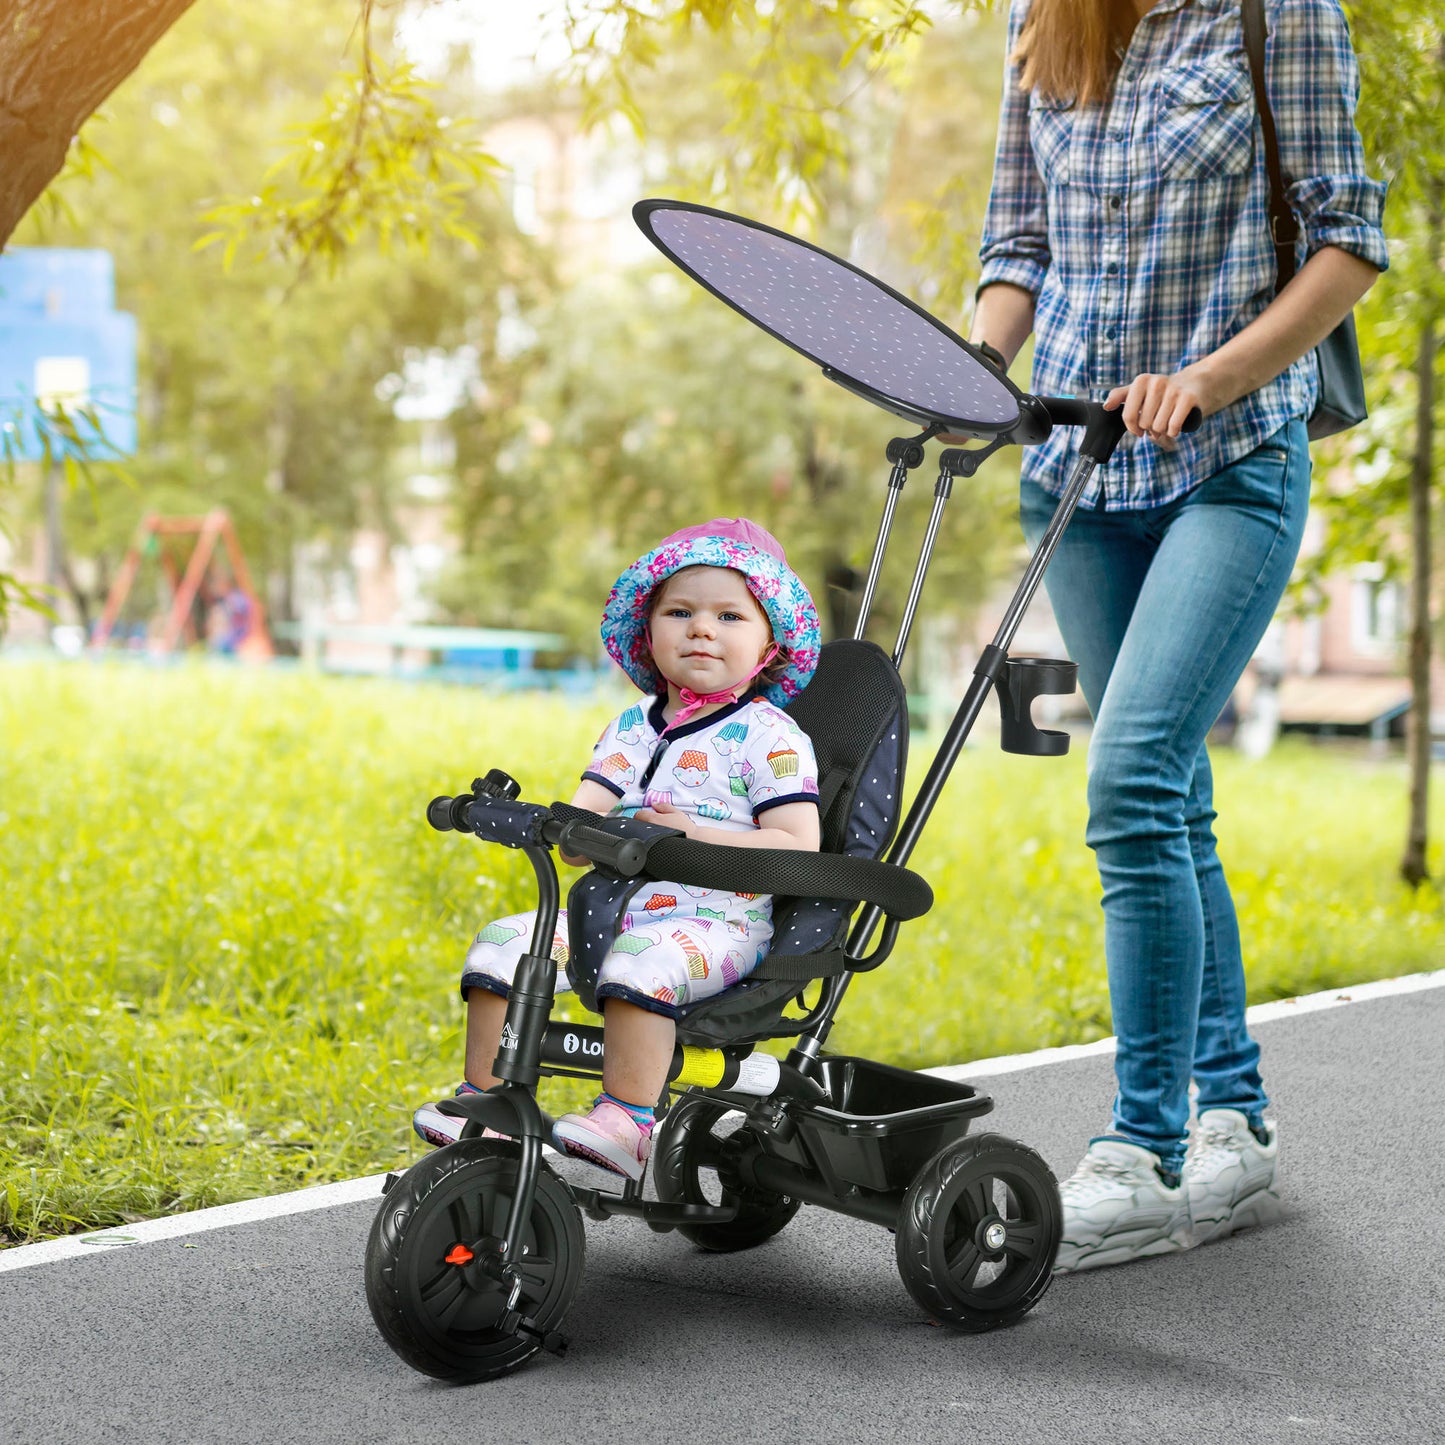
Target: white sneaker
(1229, 1176)
(1117, 1208)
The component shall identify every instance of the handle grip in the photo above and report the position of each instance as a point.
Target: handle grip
(626, 856)
(1103, 430)
(1071, 411)
(449, 814)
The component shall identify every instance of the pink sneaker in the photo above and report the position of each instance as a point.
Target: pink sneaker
(608, 1137)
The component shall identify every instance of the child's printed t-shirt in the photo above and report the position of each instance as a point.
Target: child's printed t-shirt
(727, 770)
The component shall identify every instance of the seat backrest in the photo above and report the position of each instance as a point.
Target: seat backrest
(855, 712)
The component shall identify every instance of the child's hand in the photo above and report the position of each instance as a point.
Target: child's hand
(666, 816)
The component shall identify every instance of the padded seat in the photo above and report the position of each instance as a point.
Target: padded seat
(855, 712)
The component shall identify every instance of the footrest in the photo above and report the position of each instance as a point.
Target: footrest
(599, 1204)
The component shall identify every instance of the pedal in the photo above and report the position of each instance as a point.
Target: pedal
(389, 1182)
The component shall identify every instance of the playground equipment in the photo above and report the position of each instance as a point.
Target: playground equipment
(214, 560)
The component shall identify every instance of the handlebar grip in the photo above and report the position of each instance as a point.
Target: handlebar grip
(627, 856)
(445, 814)
(1105, 430)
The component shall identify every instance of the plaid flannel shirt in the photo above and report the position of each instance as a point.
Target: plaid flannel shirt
(1140, 224)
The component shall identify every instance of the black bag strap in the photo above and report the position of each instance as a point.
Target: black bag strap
(1283, 224)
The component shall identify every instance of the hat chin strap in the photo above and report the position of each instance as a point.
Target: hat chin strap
(692, 701)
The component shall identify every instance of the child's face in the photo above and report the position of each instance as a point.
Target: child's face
(708, 632)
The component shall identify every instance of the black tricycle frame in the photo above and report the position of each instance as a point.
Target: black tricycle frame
(848, 1134)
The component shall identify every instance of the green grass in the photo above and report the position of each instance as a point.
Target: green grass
(229, 944)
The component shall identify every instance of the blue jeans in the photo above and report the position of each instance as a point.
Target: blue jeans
(1162, 609)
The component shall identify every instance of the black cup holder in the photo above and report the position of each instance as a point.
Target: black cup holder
(1022, 680)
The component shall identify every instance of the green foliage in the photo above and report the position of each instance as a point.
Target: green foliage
(258, 394)
(231, 944)
(1402, 120)
(380, 159)
(791, 72)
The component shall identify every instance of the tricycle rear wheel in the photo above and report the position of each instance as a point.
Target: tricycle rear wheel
(692, 1156)
(978, 1232)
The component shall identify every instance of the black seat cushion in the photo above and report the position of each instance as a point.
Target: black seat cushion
(855, 712)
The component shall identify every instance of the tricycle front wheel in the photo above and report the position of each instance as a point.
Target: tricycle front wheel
(429, 1295)
(978, 1232)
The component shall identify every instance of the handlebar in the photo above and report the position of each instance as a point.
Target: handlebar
(627, 856)
(1103, 430)
(628, 848)
(518, 824)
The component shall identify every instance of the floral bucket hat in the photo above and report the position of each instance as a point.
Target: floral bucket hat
(732, 542)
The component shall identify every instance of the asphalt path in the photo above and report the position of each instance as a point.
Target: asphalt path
(1328, 1326)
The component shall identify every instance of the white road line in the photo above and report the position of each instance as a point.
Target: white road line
(277, 1206)
(175, 1226)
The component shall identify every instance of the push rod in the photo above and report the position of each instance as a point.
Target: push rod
(942, 491)
(988, 668)
(905, 453)
(896, 479)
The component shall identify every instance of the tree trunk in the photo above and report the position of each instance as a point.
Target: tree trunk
(59, 59)
(1414, 865)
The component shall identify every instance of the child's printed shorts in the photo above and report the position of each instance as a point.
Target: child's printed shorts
(657, 964)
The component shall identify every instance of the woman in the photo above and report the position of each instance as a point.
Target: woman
(1127, 228)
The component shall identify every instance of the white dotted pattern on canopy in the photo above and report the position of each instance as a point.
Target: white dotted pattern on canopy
(836, 315)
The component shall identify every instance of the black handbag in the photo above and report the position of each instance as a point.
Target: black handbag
(1341, 402)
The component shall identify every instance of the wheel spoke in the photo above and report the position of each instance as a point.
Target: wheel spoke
(707, 1151)
(446, 1299)
(465, 1213)
(978, 1199)
(537, 1274)
(1023, 1239)
(961, 1261)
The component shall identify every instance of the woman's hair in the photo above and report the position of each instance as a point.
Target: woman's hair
(1070, 49)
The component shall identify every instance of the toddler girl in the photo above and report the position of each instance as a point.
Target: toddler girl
(721, 632)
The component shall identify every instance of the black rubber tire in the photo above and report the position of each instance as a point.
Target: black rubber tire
(688, 1143)
(437, 1320)
(953, 1205)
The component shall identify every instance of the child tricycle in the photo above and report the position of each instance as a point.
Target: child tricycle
(477, 1249)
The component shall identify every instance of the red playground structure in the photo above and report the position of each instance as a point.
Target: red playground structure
(213, 576)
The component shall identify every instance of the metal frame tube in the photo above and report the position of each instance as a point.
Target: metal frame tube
(995, 655)
(942, 491)
(896, 479)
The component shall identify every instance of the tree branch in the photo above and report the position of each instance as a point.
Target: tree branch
(58, 61)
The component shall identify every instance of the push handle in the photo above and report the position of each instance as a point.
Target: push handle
(1102, 429)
